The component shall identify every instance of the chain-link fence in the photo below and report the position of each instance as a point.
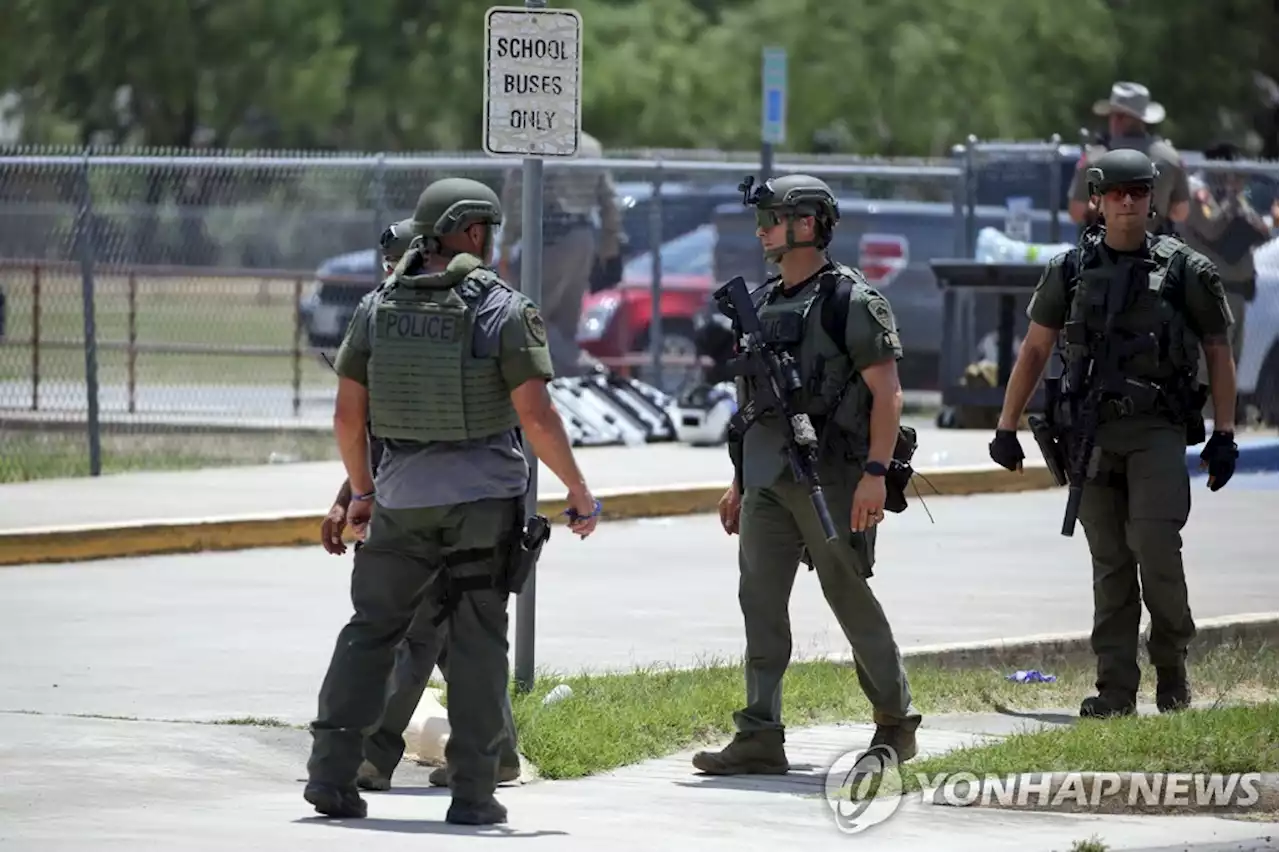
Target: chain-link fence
(174, 309)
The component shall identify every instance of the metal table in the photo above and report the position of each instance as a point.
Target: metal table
(1008, 281)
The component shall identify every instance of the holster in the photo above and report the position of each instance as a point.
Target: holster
(525, 552)
(900, 471)
(1196, 397)
(1055, 455)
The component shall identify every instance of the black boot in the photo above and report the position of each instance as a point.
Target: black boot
(1107, 704)
(334, 801)
(476, 813)
(1172, 690)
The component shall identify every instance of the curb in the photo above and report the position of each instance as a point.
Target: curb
(295, 529)
(1250, 629)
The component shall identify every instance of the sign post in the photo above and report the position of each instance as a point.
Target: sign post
(532, 109)
(773, 114)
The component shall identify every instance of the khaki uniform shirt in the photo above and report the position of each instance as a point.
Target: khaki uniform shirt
(1207, 222)
(571, 192)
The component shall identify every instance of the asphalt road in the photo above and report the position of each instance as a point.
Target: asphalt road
(249, 633)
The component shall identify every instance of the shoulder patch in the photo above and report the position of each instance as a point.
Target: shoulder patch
(534, 323)
(879, 309)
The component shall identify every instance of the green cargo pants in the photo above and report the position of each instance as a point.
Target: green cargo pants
(424, 647)
(404, 555)
(1132, 514)
(775, 524)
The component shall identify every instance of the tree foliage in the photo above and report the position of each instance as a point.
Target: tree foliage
(884, 77)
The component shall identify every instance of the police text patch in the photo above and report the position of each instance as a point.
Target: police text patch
(439, 328)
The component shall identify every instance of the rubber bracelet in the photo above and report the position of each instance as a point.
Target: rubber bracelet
(574, 516)
(360, 498)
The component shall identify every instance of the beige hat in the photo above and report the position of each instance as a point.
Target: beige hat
(1131, 99)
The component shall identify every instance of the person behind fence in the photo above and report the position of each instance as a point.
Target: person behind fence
(843, 338)
(572, 249)
(1131, 311)
(448, 366)
(1225, 228)
(423, 647)
(1130, 114)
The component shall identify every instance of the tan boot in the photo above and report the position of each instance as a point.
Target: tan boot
(900, 738)
(439, 776)
(369, 778)
(753, 753)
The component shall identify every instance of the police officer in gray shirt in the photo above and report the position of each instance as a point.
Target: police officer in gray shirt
(424, 646)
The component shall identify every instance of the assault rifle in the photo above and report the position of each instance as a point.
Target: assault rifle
(1096, 380)
(777, 382)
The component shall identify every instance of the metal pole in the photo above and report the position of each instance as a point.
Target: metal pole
(655, 248)
(379, 210)
(531, 286)
(85, 233)
(1055, 190)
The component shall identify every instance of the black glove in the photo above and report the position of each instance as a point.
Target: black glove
(1005, 449)
(1219, 456)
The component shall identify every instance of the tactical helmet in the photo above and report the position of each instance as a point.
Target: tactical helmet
(790, 197)
(1121, 167)
(395, 240)
(451, 204)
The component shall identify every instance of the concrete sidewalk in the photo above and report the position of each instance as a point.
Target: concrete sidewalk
(128, 785)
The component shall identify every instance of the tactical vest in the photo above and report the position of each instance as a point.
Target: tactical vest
(831, 392)
(426, 383)
(1154, 306)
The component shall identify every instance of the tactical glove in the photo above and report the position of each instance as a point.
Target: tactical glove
(1005, 449)
(1219, 456)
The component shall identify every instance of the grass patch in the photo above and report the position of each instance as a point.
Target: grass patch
(254, 722)
(216, 312)
(27, 455)
(618, 719)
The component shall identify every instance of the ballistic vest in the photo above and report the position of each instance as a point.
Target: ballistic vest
(1154, 305)
(830, 392)
(425, 382)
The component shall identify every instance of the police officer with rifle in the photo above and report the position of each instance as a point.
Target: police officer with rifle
(819, 455)
(1131, 312)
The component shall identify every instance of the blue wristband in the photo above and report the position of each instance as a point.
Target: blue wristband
(573, 515)
(361, 498)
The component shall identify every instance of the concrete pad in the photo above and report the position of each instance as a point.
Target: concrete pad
(111, 785)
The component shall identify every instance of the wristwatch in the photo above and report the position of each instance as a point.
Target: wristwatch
(874, 468)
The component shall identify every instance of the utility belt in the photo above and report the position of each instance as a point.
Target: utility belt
(556, 226)
(522, 548)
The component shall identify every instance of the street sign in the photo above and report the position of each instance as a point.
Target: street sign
(773, 97)
(532, 82)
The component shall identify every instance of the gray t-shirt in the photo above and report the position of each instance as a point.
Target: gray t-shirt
(410, 475)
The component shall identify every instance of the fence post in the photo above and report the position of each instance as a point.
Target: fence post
(655, 248)
(85, 234)
(297, 346)
(35, 337)
(132, 355)
(1055, 189)
(379, 209)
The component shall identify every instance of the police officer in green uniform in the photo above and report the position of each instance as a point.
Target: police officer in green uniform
(844, 338)
(1135, 505)
(448, 366)
(423, 646)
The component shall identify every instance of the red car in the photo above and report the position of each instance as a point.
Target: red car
(615, 323)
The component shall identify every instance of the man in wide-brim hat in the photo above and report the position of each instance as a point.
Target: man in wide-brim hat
(1130, 113)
